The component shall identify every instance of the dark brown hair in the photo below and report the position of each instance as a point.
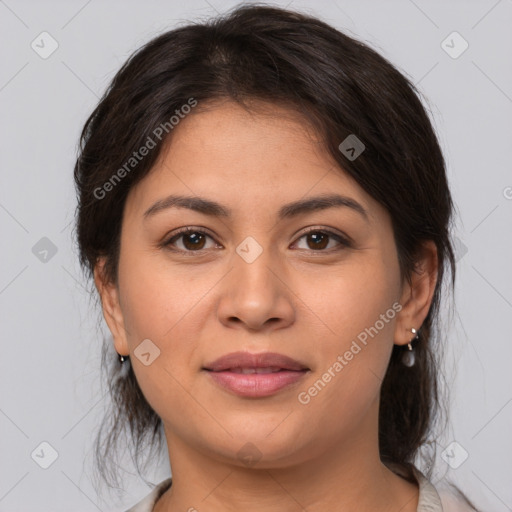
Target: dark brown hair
(341, 87)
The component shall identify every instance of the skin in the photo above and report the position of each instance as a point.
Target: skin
(293, 299)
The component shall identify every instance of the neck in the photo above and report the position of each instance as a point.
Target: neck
(345, 477)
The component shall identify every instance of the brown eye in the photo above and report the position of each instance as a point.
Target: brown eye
(192, 240)
(318, 240)
(195, 240)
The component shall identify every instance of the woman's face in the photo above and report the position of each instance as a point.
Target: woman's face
(253, 280)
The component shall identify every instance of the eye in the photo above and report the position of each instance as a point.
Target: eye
(193, 240)
(318, 239)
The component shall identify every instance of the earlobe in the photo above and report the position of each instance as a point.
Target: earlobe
(109, 296)
(417, 294)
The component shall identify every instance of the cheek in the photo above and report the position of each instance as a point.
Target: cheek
(358, 309)
(155, 300)
(157, 324)
(167, 307)
(350, 299)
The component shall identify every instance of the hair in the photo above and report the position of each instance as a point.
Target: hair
(341, 87)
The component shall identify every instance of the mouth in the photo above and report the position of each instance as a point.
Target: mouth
(249, 371)
(255, 375)
(247, 362)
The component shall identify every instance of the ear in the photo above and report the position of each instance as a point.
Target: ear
(109, 295)
(417, 295)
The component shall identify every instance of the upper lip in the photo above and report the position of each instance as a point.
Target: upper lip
(248, 360)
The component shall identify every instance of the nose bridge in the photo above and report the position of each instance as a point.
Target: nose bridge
(252, 263)
(253, 291)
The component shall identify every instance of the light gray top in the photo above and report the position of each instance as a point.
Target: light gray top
(429, 499)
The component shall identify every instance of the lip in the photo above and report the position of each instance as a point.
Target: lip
(226, 372)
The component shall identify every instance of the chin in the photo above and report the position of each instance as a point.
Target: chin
(260, 447)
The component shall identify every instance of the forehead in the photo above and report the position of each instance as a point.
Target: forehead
(267, 155)
(265, 133)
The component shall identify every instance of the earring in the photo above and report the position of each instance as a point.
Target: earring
(409, 357)
(124, 367)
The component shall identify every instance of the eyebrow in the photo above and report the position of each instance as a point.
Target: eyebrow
(290, 210)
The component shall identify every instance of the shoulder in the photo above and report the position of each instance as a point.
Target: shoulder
(440, 497)
(454, 502)
(148, 502)
(429, 499)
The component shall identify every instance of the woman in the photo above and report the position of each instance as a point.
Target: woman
(264, 208)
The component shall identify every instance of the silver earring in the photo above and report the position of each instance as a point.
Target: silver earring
(124, 366)
(409, 357)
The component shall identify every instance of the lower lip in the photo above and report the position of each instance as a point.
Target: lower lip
(256, 384)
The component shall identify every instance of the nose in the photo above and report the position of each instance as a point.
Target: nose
(255, 295)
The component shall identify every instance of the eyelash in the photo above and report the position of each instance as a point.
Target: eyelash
(344, 242)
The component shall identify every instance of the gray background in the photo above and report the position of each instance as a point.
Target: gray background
(49, 365)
